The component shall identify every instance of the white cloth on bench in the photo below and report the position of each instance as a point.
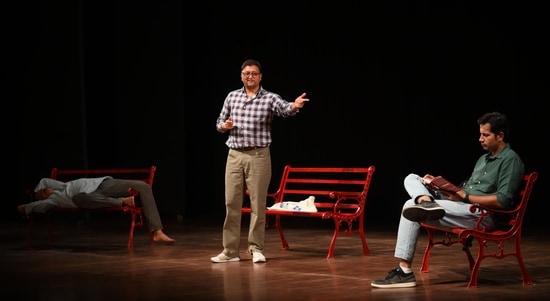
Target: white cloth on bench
(306, 205)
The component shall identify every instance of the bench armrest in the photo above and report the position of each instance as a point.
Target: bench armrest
(501, 216)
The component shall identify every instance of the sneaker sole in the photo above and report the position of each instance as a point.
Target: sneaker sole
(259, 260)
(217, 260)
(419, 214)
(256, 260)
(394, 285)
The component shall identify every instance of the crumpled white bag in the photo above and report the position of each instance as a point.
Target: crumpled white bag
(306, 205)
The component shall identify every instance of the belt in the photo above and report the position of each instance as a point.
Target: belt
(244, 149)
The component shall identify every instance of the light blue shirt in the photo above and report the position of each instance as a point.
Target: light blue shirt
(63, 193)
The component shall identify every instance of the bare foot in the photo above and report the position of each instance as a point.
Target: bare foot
(21, 210)
(129, 201)
(159, 236)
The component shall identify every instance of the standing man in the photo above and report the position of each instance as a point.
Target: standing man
(247, 116)
(495, 182)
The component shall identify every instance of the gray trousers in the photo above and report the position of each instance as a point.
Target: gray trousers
(110, 193)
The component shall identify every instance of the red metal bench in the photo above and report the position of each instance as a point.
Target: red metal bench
(340, 194)
(490, 243)
(136, 213)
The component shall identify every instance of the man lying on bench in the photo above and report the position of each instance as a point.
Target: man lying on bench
(95, 193)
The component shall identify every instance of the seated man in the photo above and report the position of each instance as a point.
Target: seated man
(93, 193)
(495, 182)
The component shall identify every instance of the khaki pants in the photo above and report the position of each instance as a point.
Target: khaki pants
(250, 169)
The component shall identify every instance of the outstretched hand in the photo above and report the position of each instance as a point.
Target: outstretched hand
(299, 102)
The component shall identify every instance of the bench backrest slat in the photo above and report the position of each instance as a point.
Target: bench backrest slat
(327, 184)
(325, 181)
(319, 192)
(517, 219)
(144, 174)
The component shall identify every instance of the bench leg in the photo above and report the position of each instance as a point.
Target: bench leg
(284, 243)
(333, 240)
(136, 216)
(350, 230)
(426, 258)
(133, 216)
(473, 282)
(361, 231)
(477, 263)
(526, 278)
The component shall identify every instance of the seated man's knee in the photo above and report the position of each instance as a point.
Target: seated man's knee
(411, 178)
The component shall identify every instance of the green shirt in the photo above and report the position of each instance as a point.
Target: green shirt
(501, 174)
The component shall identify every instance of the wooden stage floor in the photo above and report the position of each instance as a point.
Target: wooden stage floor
(90, 261)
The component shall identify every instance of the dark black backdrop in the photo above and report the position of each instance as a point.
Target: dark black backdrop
(398, 85)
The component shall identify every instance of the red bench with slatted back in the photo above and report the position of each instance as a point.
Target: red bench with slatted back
(491, 243)
(340, 195)
(136, 213)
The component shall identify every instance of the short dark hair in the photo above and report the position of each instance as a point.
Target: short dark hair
(499, 123)
(251, 62)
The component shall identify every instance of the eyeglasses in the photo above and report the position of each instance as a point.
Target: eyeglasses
(248, 73)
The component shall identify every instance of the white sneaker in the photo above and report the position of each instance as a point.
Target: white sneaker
(258, 257)
(221, 258)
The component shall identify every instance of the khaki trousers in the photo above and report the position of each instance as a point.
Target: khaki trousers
(246, 169)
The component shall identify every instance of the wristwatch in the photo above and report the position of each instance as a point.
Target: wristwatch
(466, 197)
